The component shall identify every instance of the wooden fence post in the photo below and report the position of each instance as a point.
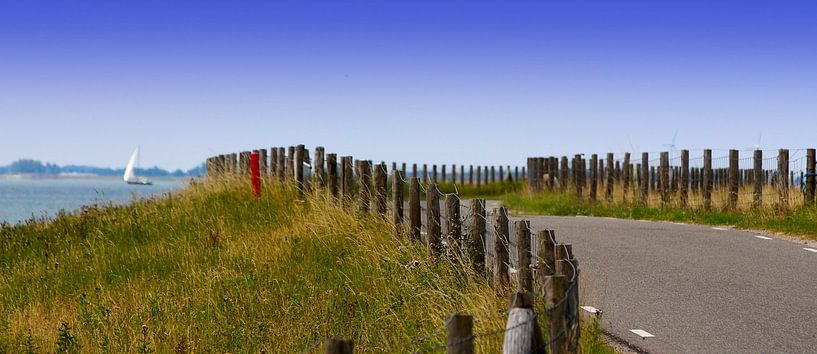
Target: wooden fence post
(403, 170)
(811, 181)
(332, 174)
(594, 176)
(459, 334)
(477, 234)
(347, 183)
(290, 162)
(522, 332)
(299, 167)
(453, 225)
(502, 172)
(563, 174)
(627, 176)
(663, 185)
(262, 163)
(758, 179)
(397, 202)
(462, 174)
(434, 174)
(569, 268)
(553, 171)
(555, 288)
(783, 179)
(317, 167)
(524, 278)
(684, 177)
(471, 174)
(365, 186)
(415, 219)
(244, 163)
(453, 174)
(479, 176)
(733, 179)
(442, 174)
(380, 180)
(282, 164)
(610, 176)
(543, 253)
(414, 171)
(707, 181)
(493, 174)
(433, 225)
(339, 346)
(425, 173)
(273, 162)
(501, 259)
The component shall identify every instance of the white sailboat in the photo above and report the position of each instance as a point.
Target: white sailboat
(130, 171)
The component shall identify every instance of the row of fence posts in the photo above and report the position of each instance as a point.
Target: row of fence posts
(553, 175)
(531, 266)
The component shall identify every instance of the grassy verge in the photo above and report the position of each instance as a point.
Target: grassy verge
(212, 269)
(799, 221)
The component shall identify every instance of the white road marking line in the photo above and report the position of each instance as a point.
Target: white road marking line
(590, 309)
(719, 228)
(581, 216)
(810, 249)
(763, 237)
(642, 333)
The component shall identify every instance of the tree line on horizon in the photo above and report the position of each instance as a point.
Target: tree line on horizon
(30, 166)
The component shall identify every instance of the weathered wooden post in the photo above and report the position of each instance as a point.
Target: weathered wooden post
(471, 174)
(811, 181)
(380, 198)
(262, 163)
(524, 279)
(462, 174)
(522, 332)
(501, 259)
(244, 163)
(317, 167)
(459, 334)
(453, 225)
(332, 174)
(553, 172)
(415, 218)
(783, 180)
(414, 171)
(453, 174)
(290, 162)
(425, 173)
(339, 346)
(477, 234)
(733, 179)
(502, 172)
(684, 178)
(555, 291)
(569, 268)
(298, 164)
(365, 185)
(282, 164)
(434, 174)
(493, 174)
(610, 178)
(594, 176)
(664, 178)
(563, 171)
(433, 224)
(403, 170)
(397, 202)
(442, 174)
(273, 162)
(347, 184)
(707, 179)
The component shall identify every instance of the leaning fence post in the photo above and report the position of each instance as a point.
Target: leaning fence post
(477, 234)
(522, 333)
(453, 225)
(569, 268)
(317, 175)
(433, 226)
(555, 288)
(459, 334)
(339, 346)
(415, 218)
(397, 202)
(500, 246)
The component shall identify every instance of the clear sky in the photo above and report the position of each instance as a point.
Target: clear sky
(427, 81)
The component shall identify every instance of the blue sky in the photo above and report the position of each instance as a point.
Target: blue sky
(426, 81)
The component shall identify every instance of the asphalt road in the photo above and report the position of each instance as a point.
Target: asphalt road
(695, 288)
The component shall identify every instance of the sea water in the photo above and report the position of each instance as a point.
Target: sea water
(22, 199)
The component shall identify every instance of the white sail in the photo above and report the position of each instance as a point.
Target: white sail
(130, 174)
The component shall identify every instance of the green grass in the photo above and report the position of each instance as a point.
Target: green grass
(212, 269)
(799, 221)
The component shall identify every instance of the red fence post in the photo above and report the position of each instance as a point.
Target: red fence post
(256, 174)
